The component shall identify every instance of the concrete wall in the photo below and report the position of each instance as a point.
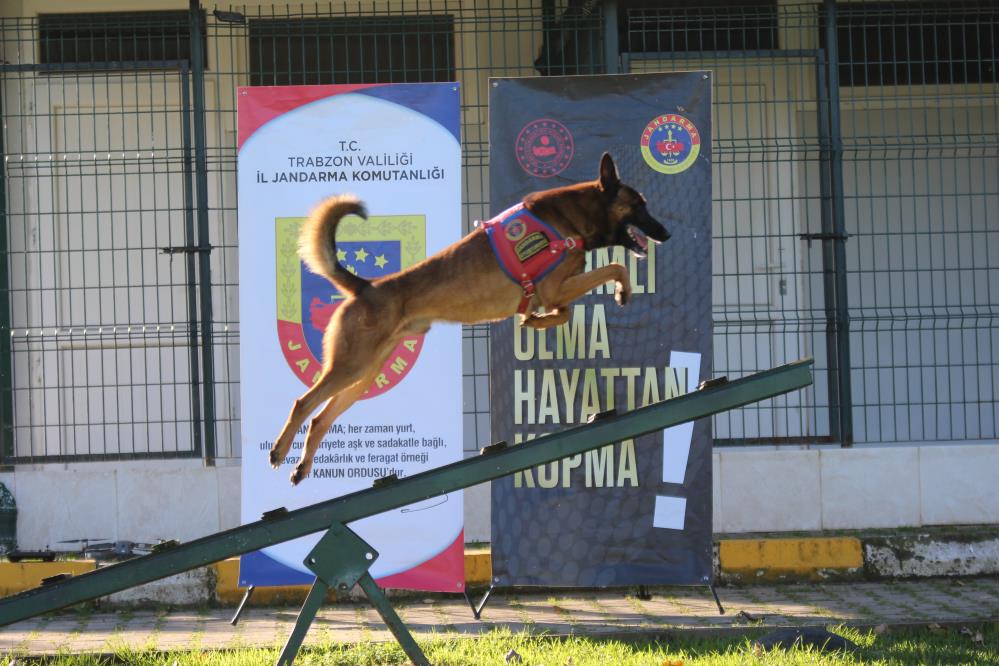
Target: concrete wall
(134, 501)
(755, 490)
(826, 489)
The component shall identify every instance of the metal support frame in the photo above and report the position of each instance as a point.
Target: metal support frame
(191, 269)
(9, 455)
(835, 247)
(833, 234)
(477, 607)
(204, 256)
(340, 558)
(612, 48)
(6, 359)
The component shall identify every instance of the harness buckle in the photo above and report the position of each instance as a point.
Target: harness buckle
(563, 245)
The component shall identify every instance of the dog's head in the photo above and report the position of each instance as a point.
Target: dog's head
(628, 221)
(603, 212)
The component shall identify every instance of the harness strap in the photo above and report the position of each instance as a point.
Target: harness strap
(524, 272)
(528, 293)
(555, 247)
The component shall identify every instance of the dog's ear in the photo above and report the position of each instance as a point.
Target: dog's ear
(609, 179)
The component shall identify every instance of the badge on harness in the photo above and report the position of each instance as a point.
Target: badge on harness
(531, 245)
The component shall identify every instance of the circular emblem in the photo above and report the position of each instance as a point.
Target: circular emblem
(515, 230)
(670, 143)
(544, 148)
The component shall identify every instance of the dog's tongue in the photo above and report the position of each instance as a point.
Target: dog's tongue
(639, 237)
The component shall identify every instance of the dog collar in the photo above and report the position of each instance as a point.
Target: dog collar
(527, 248)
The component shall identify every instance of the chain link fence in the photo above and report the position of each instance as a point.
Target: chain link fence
(856, 177)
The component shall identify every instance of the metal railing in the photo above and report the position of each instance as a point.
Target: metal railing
(853, 222)
(856, 162)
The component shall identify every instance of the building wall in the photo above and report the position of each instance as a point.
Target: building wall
(762, 489)
(768, 281)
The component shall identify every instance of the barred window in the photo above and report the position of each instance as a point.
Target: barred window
(376, 49)
(917, 43)
(119, 37)
(707, 25)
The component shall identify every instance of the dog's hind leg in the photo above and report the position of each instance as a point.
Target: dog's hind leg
(337, 405)
(321, 423)
(300, 410)
(335, 378)
(344, 365)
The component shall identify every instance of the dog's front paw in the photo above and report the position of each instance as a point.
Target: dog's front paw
(622, 293)
(275, 459)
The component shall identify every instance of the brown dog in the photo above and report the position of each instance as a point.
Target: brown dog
(462, 283)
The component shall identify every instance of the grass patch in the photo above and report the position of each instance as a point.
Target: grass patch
(947, 645)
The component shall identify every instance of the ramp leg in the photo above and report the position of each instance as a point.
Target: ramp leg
(305, 617)
(714, 593)
(340, 560)
(392, 620)
(477, 608)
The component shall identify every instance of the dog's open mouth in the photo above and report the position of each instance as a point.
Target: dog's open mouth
(639, 244)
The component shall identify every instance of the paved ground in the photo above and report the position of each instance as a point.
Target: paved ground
(593, 613)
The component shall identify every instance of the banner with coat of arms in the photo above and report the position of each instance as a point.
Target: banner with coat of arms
(397, 147)
(371, 248)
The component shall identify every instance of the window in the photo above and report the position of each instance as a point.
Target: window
(706, 25)
(81, 39)
(572, 40)
(377, 49)
(916, 43)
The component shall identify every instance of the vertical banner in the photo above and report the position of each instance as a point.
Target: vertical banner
(397, 148)
(637, 511)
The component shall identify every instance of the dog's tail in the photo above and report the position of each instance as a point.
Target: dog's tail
(317, 241)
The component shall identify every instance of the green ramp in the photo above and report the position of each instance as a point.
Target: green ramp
(341, 559)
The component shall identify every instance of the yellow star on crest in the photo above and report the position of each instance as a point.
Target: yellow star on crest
(360, 255)
(380, 261)
(341, 255)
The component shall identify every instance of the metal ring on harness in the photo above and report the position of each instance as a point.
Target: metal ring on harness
(562, 245)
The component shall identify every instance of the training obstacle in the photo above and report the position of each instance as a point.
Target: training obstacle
(341, 559)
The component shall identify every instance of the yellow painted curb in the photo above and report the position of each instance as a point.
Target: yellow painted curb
(745, 559)
(773, 558)
(478, 567)
(17, 577)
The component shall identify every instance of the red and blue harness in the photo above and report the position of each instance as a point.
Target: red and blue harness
(527, 248)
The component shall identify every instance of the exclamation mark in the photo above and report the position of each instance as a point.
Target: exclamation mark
(670, 511)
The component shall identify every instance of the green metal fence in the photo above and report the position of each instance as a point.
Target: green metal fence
(855, 149)
(856, 179)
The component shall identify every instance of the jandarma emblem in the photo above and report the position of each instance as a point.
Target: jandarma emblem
(544, 147)
(670, 143)
(515, 230)
(306, 301)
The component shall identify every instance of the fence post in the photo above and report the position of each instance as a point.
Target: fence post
(204, 247)
(838, 237)
(6, 360)
(612, 57)
(189, 261)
